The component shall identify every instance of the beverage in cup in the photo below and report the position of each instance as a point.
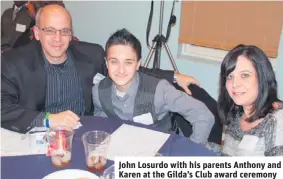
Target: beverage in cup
(60, 145)
(95, 145)
(95, 162)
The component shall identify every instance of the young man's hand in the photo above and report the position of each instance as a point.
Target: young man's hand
(184, 81)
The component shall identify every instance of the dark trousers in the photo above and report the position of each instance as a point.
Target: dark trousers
(186, 128)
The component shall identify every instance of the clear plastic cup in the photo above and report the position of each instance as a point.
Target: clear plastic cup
(60, 140)
(96, 144)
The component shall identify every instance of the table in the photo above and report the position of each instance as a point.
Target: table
(38, 166)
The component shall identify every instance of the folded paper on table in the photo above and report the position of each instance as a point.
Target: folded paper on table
(129, 140)
(16, 144)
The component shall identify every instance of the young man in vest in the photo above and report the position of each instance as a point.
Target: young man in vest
(128, 94)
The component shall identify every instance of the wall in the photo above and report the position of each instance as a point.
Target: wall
(279, 68)
(5, 5)
(95, 21)
(98, 20)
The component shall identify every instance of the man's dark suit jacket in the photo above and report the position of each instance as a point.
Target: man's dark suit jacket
(23, 81)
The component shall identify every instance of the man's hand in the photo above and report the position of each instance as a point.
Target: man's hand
(184, 81)
(66, 118)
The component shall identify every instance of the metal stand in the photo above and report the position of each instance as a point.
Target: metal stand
(158, 41)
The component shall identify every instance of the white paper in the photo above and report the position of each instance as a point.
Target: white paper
(12, 144)
(20, 27)
(78, 125)
(37, 143)
(144, 119)
(97, 78)
(129, 140)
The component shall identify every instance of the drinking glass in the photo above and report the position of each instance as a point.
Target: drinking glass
(60, 140)
(95, 145)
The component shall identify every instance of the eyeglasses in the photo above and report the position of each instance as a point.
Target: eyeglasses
(52, 31)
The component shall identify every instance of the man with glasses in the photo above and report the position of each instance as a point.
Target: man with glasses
(48, 82)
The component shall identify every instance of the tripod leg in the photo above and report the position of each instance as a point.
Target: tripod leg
(150, 54)
(157, 55)
(171, 57)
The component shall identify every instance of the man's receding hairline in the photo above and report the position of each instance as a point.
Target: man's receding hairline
(42, 9)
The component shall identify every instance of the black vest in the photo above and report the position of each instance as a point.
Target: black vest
(144, 101)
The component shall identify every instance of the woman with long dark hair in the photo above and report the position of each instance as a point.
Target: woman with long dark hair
(248, 105)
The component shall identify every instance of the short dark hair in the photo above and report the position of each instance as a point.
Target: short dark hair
(124, 37)
(267, 85)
